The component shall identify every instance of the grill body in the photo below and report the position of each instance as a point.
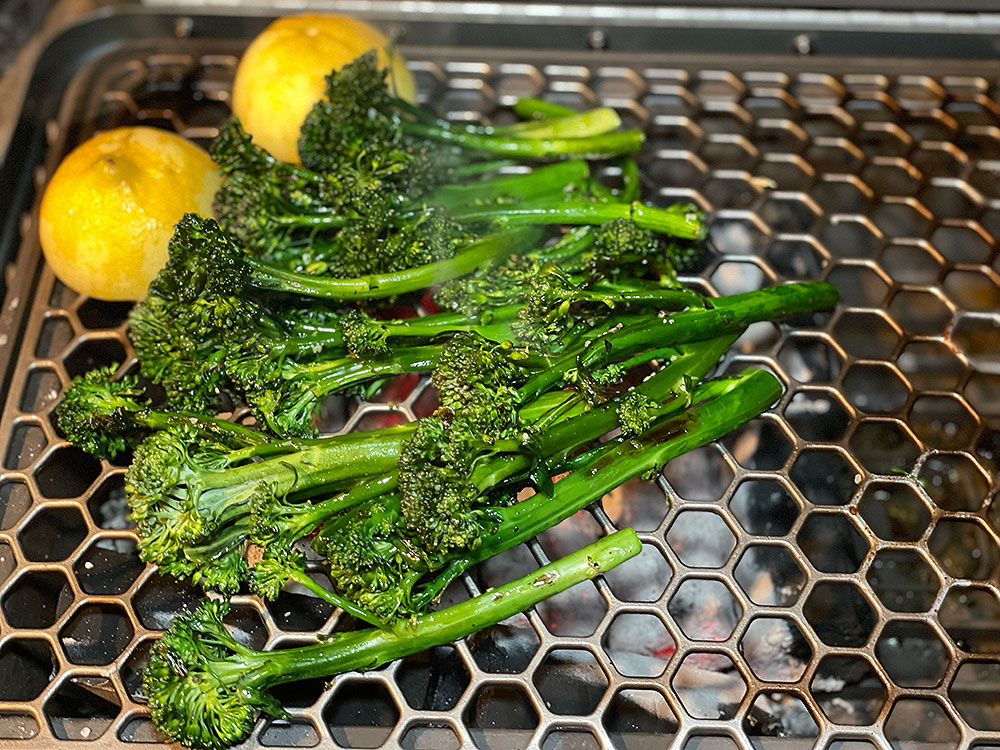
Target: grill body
(825, 577)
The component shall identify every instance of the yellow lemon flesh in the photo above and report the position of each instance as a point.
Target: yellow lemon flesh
(109, 210)
(281, 75)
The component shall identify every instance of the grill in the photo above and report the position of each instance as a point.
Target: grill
(825, 577)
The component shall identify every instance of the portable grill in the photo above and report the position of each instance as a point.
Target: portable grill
(824, 577)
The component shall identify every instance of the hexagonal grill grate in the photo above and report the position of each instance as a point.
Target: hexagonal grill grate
(827, 573)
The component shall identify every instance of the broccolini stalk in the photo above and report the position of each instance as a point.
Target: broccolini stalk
(720, 407)
(205, 263)
(455, 481)
(286, 400)
(190, 496)
(105, 417)
(358, 108)
(728, 314)
(205, 687)
(681, 221)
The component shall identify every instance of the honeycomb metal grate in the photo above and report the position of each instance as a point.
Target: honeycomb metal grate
(826, 575)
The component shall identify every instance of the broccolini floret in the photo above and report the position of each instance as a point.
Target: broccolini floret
(205, 687)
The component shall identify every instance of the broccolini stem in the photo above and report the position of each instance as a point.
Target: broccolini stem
(741, 398)
(159, 420)
(530, 108)
(330, 377)
(488, 249)
(327, 462)
(601, 146)
(301, 577)
(728, 314)
(568, 125)
(367, 649)
(552, 180)
(685, 225)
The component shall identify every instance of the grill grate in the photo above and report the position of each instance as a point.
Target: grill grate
(826, 574)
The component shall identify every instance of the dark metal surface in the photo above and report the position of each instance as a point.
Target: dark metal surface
(826, 575)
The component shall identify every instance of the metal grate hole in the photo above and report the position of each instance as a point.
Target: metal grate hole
(82, 708)
(963, 548)
(500, 716)
(93, 353)
(96, 634)
(97, 314)
(759, 445)
(27, 442)
(40, 390)
(776, 714)
(848, 690)
(28, 666)
(636, 504)
(832, 543)
(973, 693)
(912, 653)
(159, 599)
(705, 609)
(764, 507)
(361, 714)
(770, 575)
(903, 580)
(52, 534)
(914, 719)
(425, 735)
(775, 649)
(931, 366)
(943, 422)
(839, 613)
(639, 718)
(920, 312)
(954, 482)
(289, 733)
(971, 616)
(894, 511)
(56, 333)
(8, 562)
(108, 567)
(15, 499)
(701, 539)
(818, 416)
(66, 472)
(570, 738)
(433, 680)
(825, 476)
(570, 681)
(884, 447)
(809, 360)
(36, 599)
(15, 725)
(866, 335)
(691, 684)
(638, 644)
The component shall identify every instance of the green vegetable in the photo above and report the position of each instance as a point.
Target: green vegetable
(205, 687)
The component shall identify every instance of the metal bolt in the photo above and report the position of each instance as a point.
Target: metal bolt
(597, 39)
(802, 44)
(183, 27)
